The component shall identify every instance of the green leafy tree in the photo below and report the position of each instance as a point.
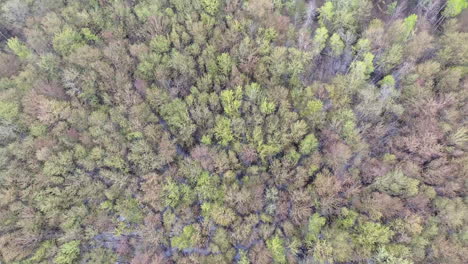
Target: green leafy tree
(454, 7)
(396, 183)
(320, 40)
(336, 44)
(384, 257)
(18, 47)
(9, 110)
(223, 131)
(225, 63)
(66, 41)
(276, 246)
(267, 107)
(211, 6)
(316, 223)
(231, 101)
(177, 117)
(326, 12)
(160, 44)
(68, 253)
(372, 235)
(130, 210)
(308, 144)
(409, 24)
(187, 239)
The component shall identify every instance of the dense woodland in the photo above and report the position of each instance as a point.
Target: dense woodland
(233, 131)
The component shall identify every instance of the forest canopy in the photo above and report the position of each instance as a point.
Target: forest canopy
(235, 131)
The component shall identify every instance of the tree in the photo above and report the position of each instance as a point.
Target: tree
(320, 40)
(409, 24)
(68, 253)
(225, 63)
(187, 239)
(276, 246)
(231, 101)
(66, 41)
(160, 44)
(316, 223)
(210, 6)
(8, 110)
(177, 117)
(18, 48)
(396, 183)
(223, 131)
(454, 7)
(372, 235)
(267, 107)
(308, 144)
(336, 44)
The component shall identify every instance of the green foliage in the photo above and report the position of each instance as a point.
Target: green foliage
(316, 223)
(320, 39)
(67, 41)
(175, 194)
(89, 35)
(130, 210)
(231, 100)
(222, 131)
(221, 215)
(207, 187)
(177, 117)
(225, 63)
(42, 252)
(313, 107)
(59, 165)
(308, 144)
(372, 235)
(145, 9)
(206, 140)
(276, 246)
(360, 70)
(267, 107)
(268, 150)
(409, 24)
(18, 47)
(326, 12)
(253, 91)
(68, 253)
(454, 212)
(187, 239)
(8, 110)
(160, 44)
(383, 256)
(210, 6)
(396, 183)
(336, 44)
(347, 218)
(454, 7)
(388, 81)
(391, 8)
(243, 258)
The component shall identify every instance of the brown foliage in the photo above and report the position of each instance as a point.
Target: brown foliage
(259, 254)
(301, 206)
(386, 205)
(372, 169)
(248, 155)
(9, 65)
(149, 258)
(337, 153)
(205, 156)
